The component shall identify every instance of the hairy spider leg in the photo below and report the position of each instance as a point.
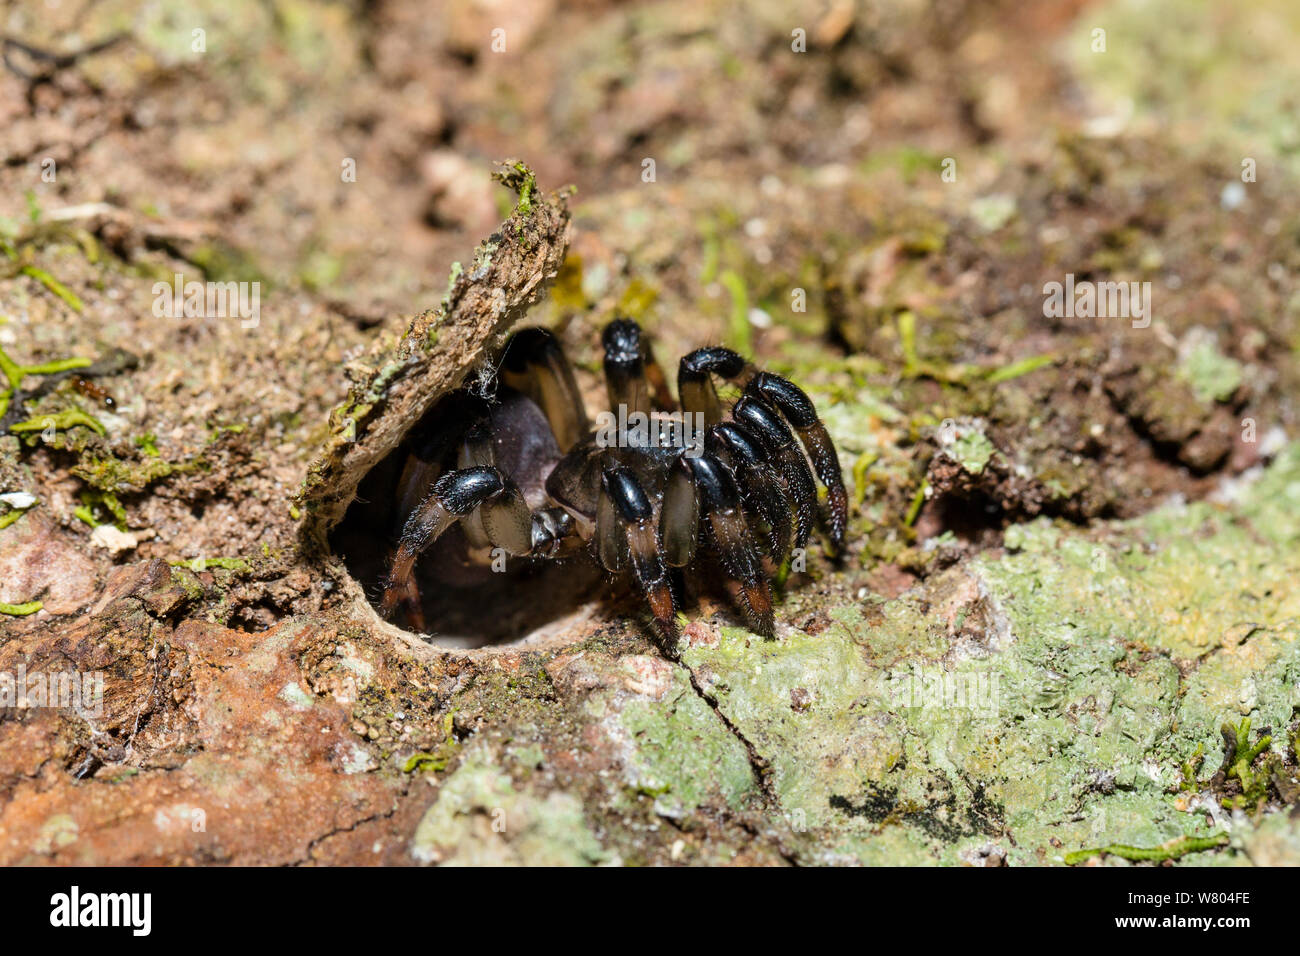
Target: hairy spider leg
(506, 520)
(775, 438)
(723, 521)
(679, 518)
(428, 450)
(760, 485)
(535, 364)
(476, 451)
(626, 531)
(409, 595)
(633, 379)
(695, 379)
(798, 409)
(695, 383)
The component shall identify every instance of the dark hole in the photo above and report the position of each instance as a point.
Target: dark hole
(464, 602)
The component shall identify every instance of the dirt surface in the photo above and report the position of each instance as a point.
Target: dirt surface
(1088, 521)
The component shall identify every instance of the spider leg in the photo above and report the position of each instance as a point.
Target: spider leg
(625, 528)
(679, 519)
(633, 379)
(695, 379)
(625, 381)
(455, 495)
(410, 598)
(695, 383)
(534, 364)
(428, 449)
(720, 504)
(507, 520)
(760, 486)
(502, 521)
(476, 451)
(799, 411)
(654, 373)
(775, 437)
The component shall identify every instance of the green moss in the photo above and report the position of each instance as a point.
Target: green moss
(13, 513)
(907, 341)
(15, 373)
(55, 286)
(21, 610)
(436, 760)
(113, 475)
(1239, 755)
(1166, 851)
(62, 421)
(918, 501)
(1190, 768)
(740, 334)
(95, 500)
(522, 180)
(184, 578)
(1016, 369)
(148, 443)
(199, 565)
(423, 762)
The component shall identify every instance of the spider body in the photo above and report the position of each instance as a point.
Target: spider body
(653, 488)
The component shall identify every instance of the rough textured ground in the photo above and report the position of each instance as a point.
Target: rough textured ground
(1074, 542)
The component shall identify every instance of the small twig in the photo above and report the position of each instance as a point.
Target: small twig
(56, 61)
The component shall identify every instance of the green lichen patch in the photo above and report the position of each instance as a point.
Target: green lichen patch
(1050, 695)
(481, 817)
(682, 755)
(1221, 79)
(971, 449)
(844, 729)
(1213, 376)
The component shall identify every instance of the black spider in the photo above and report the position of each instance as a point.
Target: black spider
(524, 472)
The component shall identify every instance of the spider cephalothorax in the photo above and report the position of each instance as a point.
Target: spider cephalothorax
(651, 488)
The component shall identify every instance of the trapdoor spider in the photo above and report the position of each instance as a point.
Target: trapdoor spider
(651, 489)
